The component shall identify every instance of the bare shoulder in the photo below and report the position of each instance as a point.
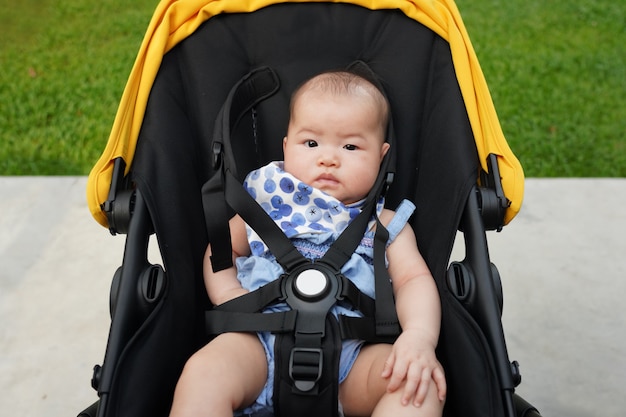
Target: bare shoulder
(406, 236)
(386, 216)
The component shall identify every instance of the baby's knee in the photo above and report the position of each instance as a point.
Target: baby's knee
(199, 366)
(210, 361)
(392, 403)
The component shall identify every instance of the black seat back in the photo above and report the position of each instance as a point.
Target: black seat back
(436, 156)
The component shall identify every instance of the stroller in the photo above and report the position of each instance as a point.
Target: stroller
(451, 160)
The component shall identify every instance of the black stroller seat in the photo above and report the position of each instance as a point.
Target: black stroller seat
(156, 167)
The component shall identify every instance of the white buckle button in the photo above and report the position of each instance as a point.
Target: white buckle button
(311, 283)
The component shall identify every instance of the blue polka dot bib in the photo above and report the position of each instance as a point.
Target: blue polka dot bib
(297, 208)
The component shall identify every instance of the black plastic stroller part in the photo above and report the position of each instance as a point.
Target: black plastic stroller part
(461, 282)
(493, 203)
(150, 289)
(437, 162)
(523, 408)
(136, 287)
(476, 283)
(90, 411)
(120, 203)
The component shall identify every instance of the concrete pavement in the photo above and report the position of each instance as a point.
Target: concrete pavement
(562, 262)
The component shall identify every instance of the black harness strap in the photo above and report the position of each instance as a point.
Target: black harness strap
(343, 248)
(308, 336)
(254, 215)
(387, 325)
(232, 321)
(250, 90)
(241, 313)
(255, 301)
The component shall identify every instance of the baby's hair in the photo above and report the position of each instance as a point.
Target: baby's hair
(345, 82)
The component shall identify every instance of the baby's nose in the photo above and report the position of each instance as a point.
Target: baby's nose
(328, 158)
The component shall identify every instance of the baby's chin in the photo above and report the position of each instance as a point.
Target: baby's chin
(343, 200)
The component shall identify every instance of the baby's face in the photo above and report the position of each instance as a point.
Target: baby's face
(335, 142)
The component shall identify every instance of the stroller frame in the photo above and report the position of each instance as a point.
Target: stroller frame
(470, 288)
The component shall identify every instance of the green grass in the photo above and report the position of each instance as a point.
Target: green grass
(557, 73)
(63, 66)
(556, 70)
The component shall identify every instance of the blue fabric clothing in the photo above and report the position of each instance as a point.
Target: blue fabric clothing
(257, 270)
(296, 207)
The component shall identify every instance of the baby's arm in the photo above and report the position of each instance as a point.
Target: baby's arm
(417, 303)
(223, 285)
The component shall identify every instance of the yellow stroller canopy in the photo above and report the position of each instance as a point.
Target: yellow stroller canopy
(175, 20)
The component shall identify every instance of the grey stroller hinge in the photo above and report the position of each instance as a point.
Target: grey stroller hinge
(493, 203)
(120, 203)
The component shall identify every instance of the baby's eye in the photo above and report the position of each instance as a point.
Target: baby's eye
(350, 147)
(310, 143)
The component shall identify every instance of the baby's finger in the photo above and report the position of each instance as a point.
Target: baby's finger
(413, 381)
(408, 393)
(388, 366)
(422, 390)
(440, 380)
(398, 375)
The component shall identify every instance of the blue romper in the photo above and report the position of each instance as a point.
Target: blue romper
(312, 220)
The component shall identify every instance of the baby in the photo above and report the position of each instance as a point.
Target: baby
(334, 147)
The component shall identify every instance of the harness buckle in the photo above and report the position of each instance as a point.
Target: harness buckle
(305, 367)
(311, 284)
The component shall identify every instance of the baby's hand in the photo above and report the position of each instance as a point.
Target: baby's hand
(413, 360)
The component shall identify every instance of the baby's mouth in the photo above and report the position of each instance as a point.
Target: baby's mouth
(328, 179)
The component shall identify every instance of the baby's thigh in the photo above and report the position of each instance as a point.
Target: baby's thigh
(364, 386)
(232, 363)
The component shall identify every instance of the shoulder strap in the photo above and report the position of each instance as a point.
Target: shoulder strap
(252, 213)
(224, 193)
(250, 90)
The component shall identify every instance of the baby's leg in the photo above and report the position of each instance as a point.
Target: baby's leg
(364, 391)
(227, 374)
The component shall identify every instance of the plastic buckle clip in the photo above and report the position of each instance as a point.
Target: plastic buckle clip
(305, 367)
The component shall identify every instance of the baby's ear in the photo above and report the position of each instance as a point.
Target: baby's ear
(383, 150)
(284, 143)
